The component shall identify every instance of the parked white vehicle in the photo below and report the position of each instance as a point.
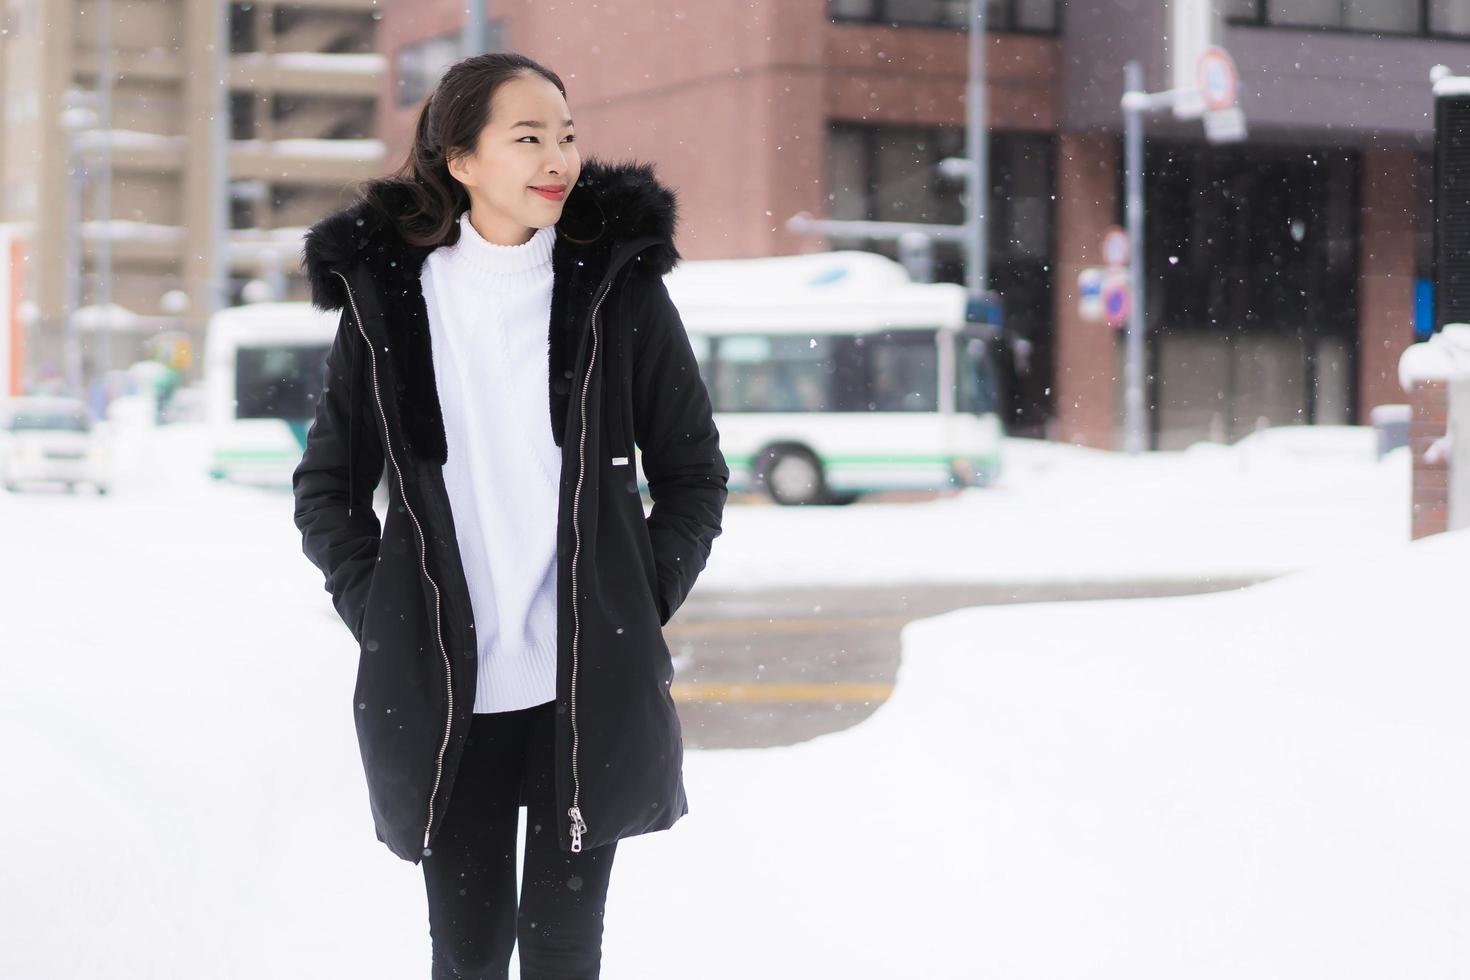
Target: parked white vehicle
(833, 374)
(51, 439)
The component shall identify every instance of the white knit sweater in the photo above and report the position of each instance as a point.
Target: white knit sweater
(489, 311)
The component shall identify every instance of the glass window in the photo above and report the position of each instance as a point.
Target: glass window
(1000, 15)
(1305, 13)
(1020, 194)
(847, 174)
(242, 28)
(771, 373)
(1424, 216)
(1246, 10)
(1354, 15)
(1449, 17)
(422, 64)
(914, 11)
(1239, 231)
(279, 382)
(903, 171)
(39, 420)
(903, 372)
(975, 379)
(1036, 15)
(1375, 15)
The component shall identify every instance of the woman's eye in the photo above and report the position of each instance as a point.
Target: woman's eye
(571, 138)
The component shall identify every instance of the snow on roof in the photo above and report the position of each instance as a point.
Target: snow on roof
(1452, 85)
(851, 287)
(818, 271)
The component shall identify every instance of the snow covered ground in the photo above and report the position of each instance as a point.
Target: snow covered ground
(1279, 500)
(1268, 782)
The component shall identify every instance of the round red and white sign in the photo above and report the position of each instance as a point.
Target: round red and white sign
(1116, 247)
(1217, 77)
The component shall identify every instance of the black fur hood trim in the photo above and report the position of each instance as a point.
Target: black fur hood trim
(610, 205)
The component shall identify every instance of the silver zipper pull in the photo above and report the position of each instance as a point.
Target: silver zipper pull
(578, 828)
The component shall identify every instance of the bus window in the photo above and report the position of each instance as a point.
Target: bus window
(278, 382)
(903, 372)
(975, 382)
(771, 373)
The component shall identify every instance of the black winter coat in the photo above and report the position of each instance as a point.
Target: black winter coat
(621, 372)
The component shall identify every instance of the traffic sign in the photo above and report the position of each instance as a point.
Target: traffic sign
(1116, 247)
(1218, 79)
(1089, 293)
(1117, 300)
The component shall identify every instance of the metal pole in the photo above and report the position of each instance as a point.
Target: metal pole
(217, 289)
(103, 361)
(472, 36)
(1133, 406)
(72, 267)
(977, 148)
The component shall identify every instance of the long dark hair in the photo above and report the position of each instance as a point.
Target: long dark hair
(449, 125)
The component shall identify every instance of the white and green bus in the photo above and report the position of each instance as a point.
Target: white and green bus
(834, 374)
(264, 365)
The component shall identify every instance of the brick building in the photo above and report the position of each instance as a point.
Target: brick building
(1287, 273)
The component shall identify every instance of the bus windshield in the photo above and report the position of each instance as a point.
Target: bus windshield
(278, 382)
(975, 381)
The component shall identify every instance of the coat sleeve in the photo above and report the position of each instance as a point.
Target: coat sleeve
(674, 428)
(343, 545)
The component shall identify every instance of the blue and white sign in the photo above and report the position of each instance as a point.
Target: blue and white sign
(1090, 293)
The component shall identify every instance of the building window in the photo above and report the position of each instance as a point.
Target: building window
(1449, 17)
(421, 65)
(242, 115)
(243, 37)
(1420, 18)
(1248, 239)
(1012, 16)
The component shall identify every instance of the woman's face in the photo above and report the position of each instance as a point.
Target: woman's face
(527, 144)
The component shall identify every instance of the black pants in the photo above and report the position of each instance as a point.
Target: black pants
(470, 874)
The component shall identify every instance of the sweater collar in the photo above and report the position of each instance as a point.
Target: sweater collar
(508, 264)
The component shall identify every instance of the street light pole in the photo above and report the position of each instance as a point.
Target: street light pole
(977, 148)
(1133, 407)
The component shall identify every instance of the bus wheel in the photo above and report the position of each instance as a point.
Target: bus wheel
(792, 475)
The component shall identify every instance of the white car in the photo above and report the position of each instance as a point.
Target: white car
(50, 439)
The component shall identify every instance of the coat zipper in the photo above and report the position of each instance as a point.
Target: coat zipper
(578, 825)
(423, 558)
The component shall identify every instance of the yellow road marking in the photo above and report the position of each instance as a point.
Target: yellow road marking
(709, 692)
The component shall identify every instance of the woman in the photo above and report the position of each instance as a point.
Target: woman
(505, 341)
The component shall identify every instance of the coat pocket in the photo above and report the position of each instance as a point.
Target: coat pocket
(369, 603)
